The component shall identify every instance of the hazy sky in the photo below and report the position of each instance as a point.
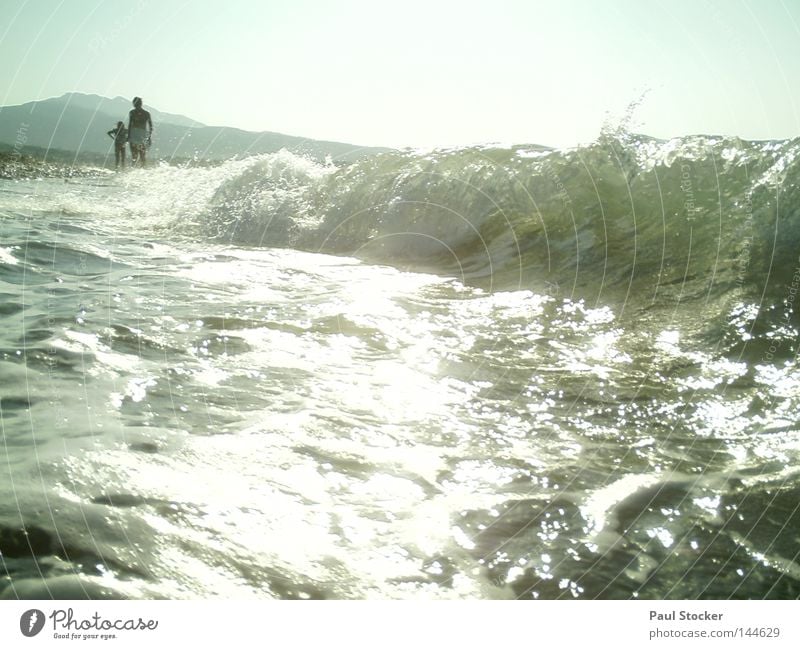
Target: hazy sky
(421, 72)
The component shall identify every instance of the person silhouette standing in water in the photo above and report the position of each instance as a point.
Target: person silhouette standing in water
(120, 137)
(138, 132)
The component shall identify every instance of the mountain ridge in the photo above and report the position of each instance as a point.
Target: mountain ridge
(79, 122)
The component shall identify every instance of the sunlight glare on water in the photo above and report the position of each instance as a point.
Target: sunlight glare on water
(189, 413)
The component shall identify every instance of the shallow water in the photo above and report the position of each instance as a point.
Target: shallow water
(184, 416)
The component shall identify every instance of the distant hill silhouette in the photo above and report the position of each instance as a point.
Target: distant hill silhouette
(79, 122)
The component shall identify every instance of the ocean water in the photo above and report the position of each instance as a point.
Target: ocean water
(469, 373)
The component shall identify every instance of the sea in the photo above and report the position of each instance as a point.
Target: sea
(505, 372)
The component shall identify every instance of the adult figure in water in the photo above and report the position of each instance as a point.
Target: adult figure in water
(120, 137)
(140, 130)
